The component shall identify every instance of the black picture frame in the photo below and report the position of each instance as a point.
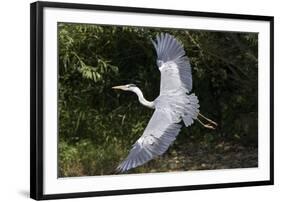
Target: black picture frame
(36, 98)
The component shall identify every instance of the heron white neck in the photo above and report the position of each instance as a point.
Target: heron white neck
(142, 100)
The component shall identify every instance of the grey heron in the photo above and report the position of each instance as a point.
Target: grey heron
(175, 104)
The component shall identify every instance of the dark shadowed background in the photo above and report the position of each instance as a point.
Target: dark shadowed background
(97, 125)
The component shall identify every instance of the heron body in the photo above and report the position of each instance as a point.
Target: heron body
(173, 106)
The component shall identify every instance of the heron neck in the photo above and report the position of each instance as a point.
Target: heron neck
(142, 100)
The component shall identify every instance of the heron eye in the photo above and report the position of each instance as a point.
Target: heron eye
(131, 85)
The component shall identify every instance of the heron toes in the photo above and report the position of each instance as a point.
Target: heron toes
(212, 122)
(209, 126)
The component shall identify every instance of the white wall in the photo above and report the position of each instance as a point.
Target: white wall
(14, 100)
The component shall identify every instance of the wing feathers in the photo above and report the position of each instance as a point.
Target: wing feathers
(191, 110)
(151, 144)
(170, 51)
(170, 48)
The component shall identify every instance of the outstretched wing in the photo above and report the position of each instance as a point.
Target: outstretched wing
(173, 64)
(160, 132)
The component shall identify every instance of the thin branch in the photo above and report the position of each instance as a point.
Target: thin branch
(229, 64)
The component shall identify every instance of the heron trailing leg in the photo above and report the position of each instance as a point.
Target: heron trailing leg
(212, 122)
(210, 125)
(205, 125)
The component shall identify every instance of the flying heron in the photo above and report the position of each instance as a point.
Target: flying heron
(173, 106)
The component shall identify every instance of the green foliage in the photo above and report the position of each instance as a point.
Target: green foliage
(86, 157)
(97, 125)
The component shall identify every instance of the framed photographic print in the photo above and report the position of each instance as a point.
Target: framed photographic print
(134, 100)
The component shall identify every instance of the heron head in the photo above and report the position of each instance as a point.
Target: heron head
(128, 87)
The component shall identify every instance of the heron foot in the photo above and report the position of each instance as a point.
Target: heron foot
(209, 126)
(214, 123)
(209, 120)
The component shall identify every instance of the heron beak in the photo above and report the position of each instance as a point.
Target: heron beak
(119, 87)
